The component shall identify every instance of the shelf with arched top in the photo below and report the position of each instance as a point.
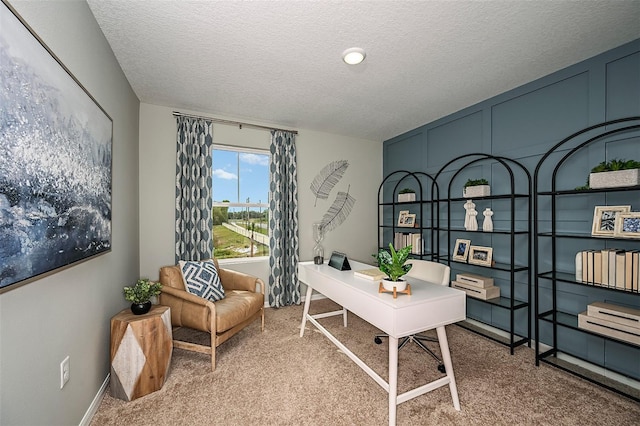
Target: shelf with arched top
(423, 208)
(562, 225)
(510, 239)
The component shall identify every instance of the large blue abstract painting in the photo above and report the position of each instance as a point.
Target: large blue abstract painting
(55, 161)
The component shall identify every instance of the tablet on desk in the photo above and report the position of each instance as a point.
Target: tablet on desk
(339, 261)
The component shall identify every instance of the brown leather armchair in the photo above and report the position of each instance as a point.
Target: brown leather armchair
(243, 303)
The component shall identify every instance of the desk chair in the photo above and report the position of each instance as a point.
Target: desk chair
(433, 272)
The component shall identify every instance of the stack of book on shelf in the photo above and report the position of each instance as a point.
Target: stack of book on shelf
(373, 274)
(403, 239)
(620, 322)
(476, 286)
(612, 268)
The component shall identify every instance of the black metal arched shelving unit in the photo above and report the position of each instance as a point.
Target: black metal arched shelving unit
(389, 208)
(515, 198)
(558, 295)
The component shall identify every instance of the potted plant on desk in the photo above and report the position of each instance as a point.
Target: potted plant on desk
(392, 264)
(140, 295)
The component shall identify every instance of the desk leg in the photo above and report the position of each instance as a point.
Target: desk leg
(307, 300)
(446, 359)
(393, 379)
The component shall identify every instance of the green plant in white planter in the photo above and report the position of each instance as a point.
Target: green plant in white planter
(406, 194)
(393, 264)
(615, 173)
(140, 295)
(474, 188)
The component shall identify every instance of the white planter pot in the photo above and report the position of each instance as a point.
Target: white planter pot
(403, 198)
(389, 285)
(476, 191)
(614, 179)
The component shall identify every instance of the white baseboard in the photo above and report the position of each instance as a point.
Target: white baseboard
(315, 296)
(592, 367)
(95, 404)
(584, 364)
(487, 327)
(600, 370)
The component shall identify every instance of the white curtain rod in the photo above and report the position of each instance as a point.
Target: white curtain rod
(233, 123)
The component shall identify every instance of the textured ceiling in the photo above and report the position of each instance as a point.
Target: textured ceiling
(279, 62)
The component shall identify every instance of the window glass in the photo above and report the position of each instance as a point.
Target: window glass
(240, 202)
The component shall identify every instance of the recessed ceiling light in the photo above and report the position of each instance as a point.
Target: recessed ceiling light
(353, 56)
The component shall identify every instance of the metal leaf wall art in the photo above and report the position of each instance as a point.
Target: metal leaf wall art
(322, 185)
(327, 178)
(339, 211)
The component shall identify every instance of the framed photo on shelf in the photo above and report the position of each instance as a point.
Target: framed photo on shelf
(479, 255)
(604, 219)
(627, 225)
(461, 250)
(408, 222)
(402, 216)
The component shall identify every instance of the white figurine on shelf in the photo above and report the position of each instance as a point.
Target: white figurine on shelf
(468, 206)
(473, 222)
(487, 225)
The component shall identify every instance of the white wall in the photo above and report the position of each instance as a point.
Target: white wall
(356, 236)
(68, 313)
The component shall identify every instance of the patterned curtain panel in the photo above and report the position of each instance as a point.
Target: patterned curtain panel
(194, 201)
(284, 288)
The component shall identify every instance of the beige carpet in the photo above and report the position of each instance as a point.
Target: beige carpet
(278, 378)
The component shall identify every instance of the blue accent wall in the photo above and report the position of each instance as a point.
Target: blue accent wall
(523, 124)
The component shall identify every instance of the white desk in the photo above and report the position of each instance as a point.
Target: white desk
(429, 306)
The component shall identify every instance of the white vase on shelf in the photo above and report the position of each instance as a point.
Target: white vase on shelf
(487, 225)
(469, 206)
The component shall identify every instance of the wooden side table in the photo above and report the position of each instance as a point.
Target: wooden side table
(141, 350)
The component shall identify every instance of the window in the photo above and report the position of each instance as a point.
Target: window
(240, 202)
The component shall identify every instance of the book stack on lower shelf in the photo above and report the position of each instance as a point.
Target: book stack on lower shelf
(611, 320)
(476, 286)
(612, 268)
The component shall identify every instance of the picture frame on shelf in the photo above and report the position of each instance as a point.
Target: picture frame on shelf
(627, 225)
(401, 217)
(461, 250)
(479, 255)
(604, 219)
(408, 222)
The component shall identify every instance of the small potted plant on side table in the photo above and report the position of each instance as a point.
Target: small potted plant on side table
(392, 264)
(475, 188)
(140, 295)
